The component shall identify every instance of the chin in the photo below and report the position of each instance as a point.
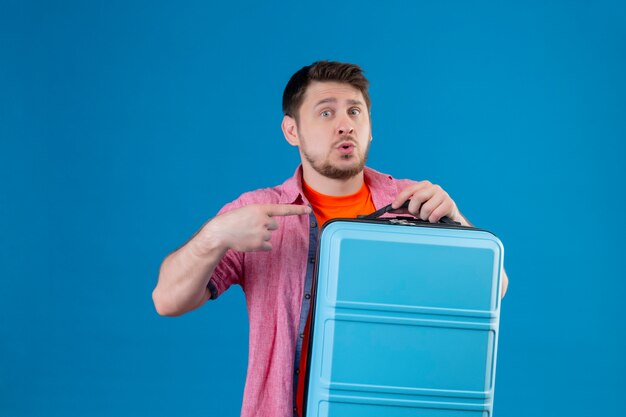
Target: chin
(340, 171)
(343, 168)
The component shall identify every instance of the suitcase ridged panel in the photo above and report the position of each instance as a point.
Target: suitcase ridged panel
(405, 321)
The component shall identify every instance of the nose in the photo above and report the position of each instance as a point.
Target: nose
(344, 127)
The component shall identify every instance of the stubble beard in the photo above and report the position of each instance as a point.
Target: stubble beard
(327, 169)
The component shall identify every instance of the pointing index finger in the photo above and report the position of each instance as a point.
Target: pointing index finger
(286, 210)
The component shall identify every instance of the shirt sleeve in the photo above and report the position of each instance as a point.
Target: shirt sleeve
(403, 183)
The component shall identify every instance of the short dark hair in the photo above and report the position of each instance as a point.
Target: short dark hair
(322, 71)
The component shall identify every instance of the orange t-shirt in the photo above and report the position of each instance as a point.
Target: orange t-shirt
(326, 207)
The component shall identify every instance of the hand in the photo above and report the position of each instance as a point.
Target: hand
(249, 228)
(428, 202)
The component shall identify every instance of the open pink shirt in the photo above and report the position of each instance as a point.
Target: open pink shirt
(277, 286)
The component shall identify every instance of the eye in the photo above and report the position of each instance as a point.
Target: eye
(326, 113)
(355, 111)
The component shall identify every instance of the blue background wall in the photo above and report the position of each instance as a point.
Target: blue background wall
(125, 125)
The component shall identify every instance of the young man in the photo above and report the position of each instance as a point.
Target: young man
(266, 240)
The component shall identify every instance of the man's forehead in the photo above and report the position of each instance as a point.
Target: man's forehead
(327, 91)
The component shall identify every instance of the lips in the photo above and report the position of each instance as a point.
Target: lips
(345, 148)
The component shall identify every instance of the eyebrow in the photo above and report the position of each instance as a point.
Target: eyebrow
(334, 100)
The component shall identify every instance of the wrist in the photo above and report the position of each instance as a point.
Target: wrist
(208, 241)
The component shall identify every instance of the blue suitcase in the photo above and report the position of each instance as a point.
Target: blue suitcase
(404, 321)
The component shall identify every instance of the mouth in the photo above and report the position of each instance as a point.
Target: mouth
(345, 148)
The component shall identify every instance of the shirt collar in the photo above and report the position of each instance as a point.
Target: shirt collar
(382, 188)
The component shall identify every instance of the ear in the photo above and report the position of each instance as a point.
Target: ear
(290, 130)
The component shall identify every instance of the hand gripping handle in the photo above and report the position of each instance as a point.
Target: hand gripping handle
(388, 209)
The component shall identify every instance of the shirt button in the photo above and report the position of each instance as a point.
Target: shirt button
(307, 296)
(312, 260)
(301, 335)
(313, 223)
(297, 371)
(295, 410)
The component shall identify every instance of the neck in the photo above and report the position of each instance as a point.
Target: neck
(330, 186)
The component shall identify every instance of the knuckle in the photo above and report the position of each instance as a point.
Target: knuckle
(421, 196)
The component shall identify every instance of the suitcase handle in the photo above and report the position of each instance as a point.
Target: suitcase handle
(388, 209)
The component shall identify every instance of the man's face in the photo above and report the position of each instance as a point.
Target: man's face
(334, 129)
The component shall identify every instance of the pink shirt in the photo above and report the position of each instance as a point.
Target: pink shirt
(277, 286)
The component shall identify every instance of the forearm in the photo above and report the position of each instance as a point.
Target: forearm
(184, 275)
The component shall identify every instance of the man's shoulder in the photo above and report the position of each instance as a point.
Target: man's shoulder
(284, 193)
(269, 195)
(379, 179)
